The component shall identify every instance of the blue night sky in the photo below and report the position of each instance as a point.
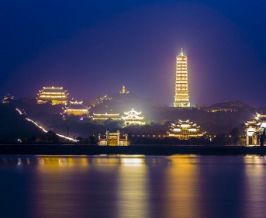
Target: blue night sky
(93, 47)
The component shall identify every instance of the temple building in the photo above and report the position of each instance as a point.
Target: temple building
(133, 117)
(113, 139)
(124, 90)
(254, 128)
(185, 130)
(53, 95)
(181, 99)
(76, 108)
(7, 99)
(106, 116)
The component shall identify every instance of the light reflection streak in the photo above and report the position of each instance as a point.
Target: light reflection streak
(54, 164)
(110, 161)
(133, 190)
(132, 161)
(56, 183)
(182, 187)
(256, 184)
(135, 186)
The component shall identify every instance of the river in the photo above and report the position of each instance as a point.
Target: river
(181, 186)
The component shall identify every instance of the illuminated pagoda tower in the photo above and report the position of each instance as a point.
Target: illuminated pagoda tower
(133, 117)
(181, 99)
(53, 95)
(124, 90)
(185, 130)
(76, 108)
(254, 128)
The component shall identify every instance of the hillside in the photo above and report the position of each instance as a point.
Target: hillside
(14, 127)
(217, 119)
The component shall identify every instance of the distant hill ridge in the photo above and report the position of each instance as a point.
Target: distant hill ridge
(231, 104)
(14, 127)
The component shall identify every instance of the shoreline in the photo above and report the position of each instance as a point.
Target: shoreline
(154, 150)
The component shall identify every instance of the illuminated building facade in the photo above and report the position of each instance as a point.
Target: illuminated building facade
(106, 116)
(53, 95)
(254, 128)
(133, 117)
(113, 139)
(181, 99)
(76, 108)
(185, 130)
(124, 90)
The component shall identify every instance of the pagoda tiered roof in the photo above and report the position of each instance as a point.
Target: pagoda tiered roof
(52, 94)
(76, 108)
(133, 117)
(185, 129)
(254, 128)
(105, 116)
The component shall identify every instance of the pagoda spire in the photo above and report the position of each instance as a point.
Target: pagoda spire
(181, 52)
(124, 90)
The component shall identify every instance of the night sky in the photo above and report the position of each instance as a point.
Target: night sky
(93, 47)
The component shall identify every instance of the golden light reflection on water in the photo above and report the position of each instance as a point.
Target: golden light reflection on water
(64, 189)
(133, 162)
(138, 186)
(133, 190)
(255, 185)
(182, 187)
(51, 164)
(58, 180)
(254, 165)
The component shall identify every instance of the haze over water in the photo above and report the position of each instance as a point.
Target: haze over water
(132, 186)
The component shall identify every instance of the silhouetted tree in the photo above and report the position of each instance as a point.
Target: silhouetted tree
(235, 136)
(50, 137)
(262, 138)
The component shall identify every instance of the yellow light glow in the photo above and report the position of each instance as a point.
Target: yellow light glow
(43, 129)
(181, 98)
(53, 95)
(113, 139)
(185, 130)
(133, 117)
(254, 129)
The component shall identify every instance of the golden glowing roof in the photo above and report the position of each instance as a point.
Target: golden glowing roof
(259, 121)
(132, 115)
(53, 90)
(75, 102)
(185, 129)
(106, 116)
(53, 94)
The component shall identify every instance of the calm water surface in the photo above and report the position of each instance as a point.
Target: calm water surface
(132, 186)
